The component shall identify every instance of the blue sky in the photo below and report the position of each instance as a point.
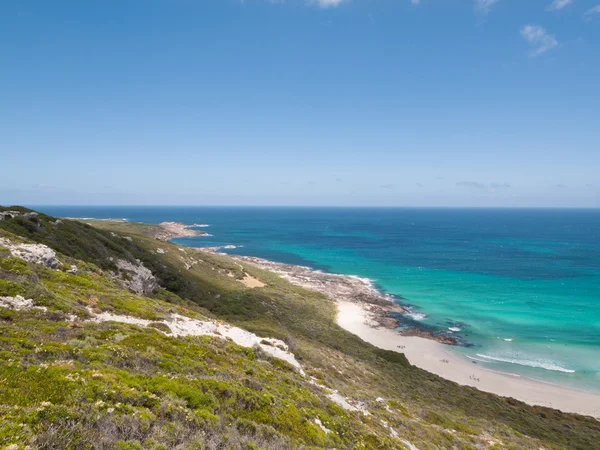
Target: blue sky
(294, 102)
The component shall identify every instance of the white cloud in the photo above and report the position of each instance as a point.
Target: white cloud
(474, 185)
(559, 4)
(328, 3)
(538, 39)
(484, 6)
(592, 12)
(471, 185)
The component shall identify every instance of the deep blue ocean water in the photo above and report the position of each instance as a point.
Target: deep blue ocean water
(520, 286)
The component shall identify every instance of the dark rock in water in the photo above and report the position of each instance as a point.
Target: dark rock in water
(387, 322)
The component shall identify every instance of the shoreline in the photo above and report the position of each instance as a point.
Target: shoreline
(362, 311)
(440, 360)
(382, 308)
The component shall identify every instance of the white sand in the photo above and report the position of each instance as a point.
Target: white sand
(251, 282)
(431, 356)
(248, 280)
(186, 326)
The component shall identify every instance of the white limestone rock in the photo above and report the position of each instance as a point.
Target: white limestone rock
(142, 281)
(19, 303)
(35, 253)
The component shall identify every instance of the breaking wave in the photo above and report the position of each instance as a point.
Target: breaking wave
(547, 365)
(415, 315)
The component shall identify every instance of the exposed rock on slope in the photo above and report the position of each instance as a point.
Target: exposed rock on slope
(6, 215)
(19, 302)
(35, 253)
(139, 279)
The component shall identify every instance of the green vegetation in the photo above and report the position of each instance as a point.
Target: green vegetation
(69, 382)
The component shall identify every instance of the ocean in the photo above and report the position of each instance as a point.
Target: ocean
(520, 288)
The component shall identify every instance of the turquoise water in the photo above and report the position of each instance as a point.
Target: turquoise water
(520, 288)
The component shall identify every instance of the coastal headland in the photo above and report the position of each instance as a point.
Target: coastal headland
(164, 231)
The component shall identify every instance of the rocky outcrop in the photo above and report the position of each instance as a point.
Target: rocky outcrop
(337, 287)
(35, 253)
(173, 230)
(6, 215)
(138, 278)
(19, 303)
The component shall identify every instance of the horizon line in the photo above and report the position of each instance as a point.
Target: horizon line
(307, 206)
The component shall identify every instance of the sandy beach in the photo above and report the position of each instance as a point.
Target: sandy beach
(439, 359)
(365, 312)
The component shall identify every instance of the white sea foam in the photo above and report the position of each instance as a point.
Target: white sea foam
(454, 329)
(366, 281)
(508, 339)
(93, 218)
(476, 359)
(225, 247)
(539, 364)
(415, 315)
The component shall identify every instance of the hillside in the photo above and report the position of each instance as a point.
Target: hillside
(112, 339)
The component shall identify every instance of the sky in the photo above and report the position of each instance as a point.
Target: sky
(300, 102)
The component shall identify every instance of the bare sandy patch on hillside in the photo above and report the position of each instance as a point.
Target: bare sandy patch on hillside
(251, 282)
